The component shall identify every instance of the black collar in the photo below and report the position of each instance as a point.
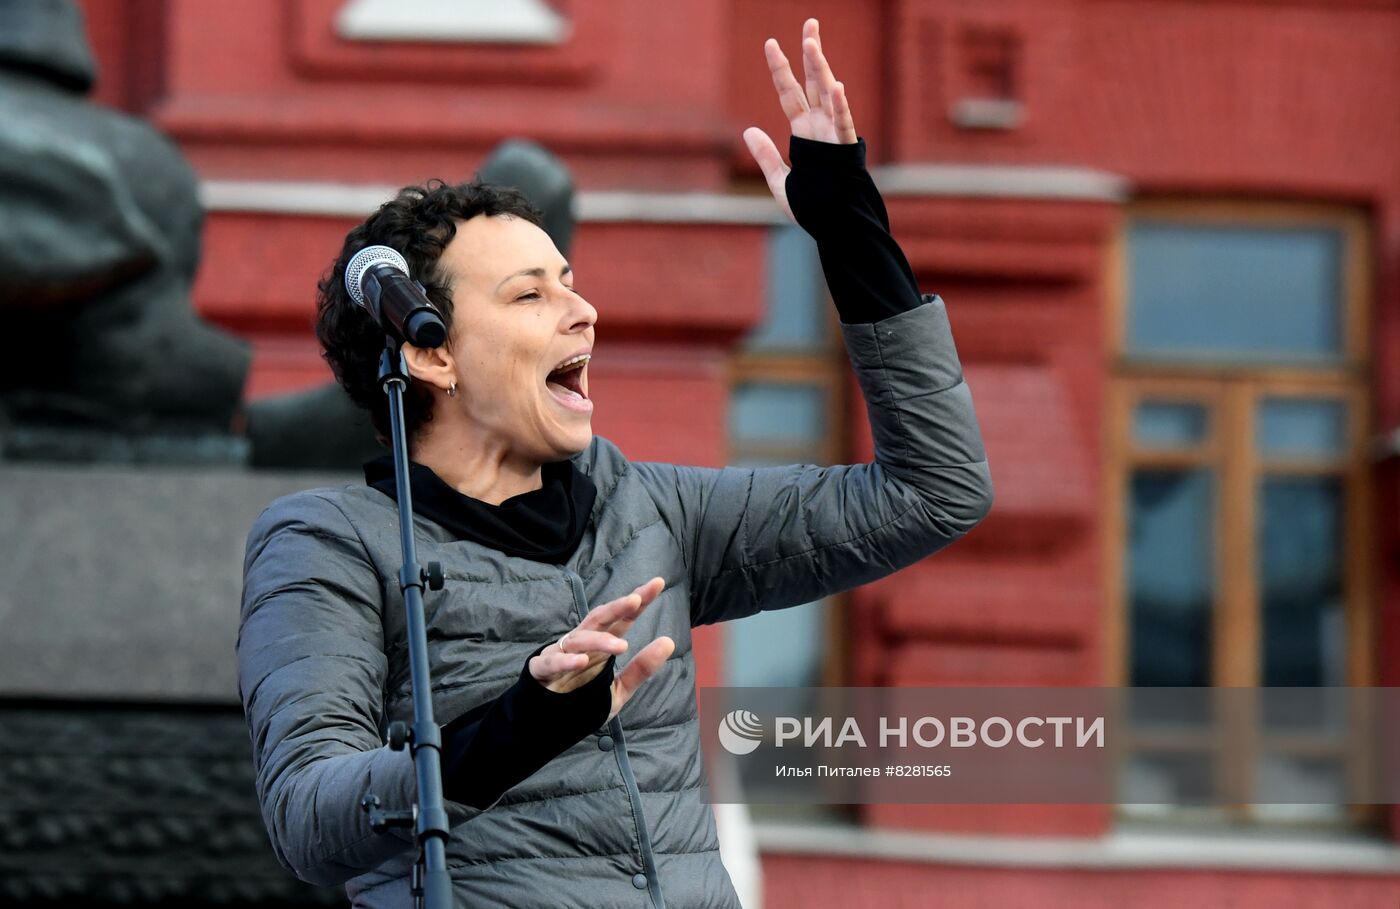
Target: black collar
(544, 525)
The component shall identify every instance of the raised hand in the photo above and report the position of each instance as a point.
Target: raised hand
(817, 110)
(581, 654)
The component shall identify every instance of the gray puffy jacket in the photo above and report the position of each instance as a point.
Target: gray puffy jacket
(618, 819)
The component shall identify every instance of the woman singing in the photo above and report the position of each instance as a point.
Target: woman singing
(561, 660)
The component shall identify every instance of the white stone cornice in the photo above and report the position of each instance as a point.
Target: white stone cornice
(1005, 181)
(689, 208)
(285, 197)
(358, 200)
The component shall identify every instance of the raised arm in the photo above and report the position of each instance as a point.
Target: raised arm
(776, 537)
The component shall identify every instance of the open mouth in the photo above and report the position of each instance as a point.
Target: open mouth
(566, 383)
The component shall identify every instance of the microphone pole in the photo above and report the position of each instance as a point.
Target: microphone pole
(432, 886)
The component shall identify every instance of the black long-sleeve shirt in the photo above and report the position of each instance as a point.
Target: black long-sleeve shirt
(834, 199)
(497, 745)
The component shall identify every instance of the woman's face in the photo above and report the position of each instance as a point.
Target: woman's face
(521, 339)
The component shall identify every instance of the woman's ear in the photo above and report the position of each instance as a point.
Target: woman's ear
(433, 366)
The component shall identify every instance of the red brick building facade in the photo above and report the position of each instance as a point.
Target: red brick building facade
(1028, 149)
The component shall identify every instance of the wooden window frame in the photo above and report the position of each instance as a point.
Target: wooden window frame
(1230, 394)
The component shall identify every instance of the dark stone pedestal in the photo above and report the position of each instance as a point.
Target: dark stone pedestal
(124, 582)
(127, 764)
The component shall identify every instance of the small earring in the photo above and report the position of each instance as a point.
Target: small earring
(452, 390)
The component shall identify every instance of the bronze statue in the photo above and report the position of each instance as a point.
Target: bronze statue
(100, 226)
(99, 238)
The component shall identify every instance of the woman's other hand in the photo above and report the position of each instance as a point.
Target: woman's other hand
(586, 648)
(817, 111)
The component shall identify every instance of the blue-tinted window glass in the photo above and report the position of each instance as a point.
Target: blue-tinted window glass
(1171, 576)
(1157, 779)
(1300, 565)
(1315, 786)
(1161, 424)
(775, 412)
(777, 649)
(796, 295)
(1301, 427)
(1225, 292)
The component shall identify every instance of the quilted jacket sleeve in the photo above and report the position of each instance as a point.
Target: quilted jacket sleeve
(776, 537)
(311, 670)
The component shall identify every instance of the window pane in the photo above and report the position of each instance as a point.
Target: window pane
(1313, 709)
(778, 649)
(796, 294)
(770, 411)
(1234, 292)
(1167, 778)
(1170, 710)
(1300, 427)
(1300, 565)
(1163, 424)
(1294, 780)
(1171, 576)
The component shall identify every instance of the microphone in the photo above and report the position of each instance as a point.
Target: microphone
(377, 278)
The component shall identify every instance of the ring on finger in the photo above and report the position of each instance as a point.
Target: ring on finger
(562, 639)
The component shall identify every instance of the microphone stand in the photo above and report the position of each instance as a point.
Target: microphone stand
(432, 887)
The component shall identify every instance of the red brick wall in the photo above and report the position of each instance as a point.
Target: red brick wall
(801, 881)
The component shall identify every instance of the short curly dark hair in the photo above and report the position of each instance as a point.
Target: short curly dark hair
(419, 222)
